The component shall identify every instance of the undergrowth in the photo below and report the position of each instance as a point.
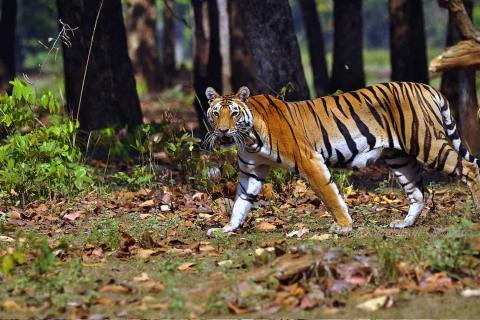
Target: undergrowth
(38, 159)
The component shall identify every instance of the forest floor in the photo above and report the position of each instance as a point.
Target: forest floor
(125, 250)
(145, 253)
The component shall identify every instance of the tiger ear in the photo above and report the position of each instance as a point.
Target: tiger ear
(211, 93)
(243, 93)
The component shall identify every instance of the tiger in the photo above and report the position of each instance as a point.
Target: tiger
(406, 125)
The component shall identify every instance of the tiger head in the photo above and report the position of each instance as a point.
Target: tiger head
(229, 116)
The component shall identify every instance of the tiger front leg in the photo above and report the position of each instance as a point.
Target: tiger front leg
(249, 186)
(320, 178)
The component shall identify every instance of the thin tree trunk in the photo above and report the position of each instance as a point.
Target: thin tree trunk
(459, 88)
(215, 62)
(7, 47)
(347, 71)
(408, 52)
(316, 47)
(169, 64)
(274, 46)
(142, 42)
(225, 45)
(243, 68)
(109, 95)
(207, 63)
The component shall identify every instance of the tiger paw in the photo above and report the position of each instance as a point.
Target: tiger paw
(228, 228)
(400, 224)
(335, 228)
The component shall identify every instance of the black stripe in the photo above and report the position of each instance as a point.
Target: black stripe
(371, 140)
(251, 175)
(244, 161)
(427, 144)
(352, 146)
(338, 105)
(340, 157)
(399, 165)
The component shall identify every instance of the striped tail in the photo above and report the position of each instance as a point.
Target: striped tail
(451, 127)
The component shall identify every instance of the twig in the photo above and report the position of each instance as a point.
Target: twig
(88, 60)
(181, 19)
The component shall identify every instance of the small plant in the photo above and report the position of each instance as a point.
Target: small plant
(342, 180)
(388, 257)
(34, 251)
(382, 187)
(139, 177)
(105, 233)
(37, 160)
(455, 253)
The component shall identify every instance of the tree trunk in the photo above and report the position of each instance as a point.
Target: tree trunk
(225, 45)
(207, 63)
(459, 88)
(347, 71)
(7, 48)
(109, 95)
(408, 53)
(275, 51)
(316, 47)
(142, 42)
(242, 66)
(169, 41)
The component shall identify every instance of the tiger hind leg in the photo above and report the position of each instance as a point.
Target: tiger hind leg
(453, 164)
(408, 172)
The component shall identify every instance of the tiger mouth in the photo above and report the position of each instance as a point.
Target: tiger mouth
(226, 141)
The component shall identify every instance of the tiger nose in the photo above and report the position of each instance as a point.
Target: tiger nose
(223, 130)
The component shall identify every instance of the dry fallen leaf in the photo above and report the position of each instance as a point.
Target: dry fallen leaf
(165, 207)
(10, 305)
(115, 288)
(237, 309)
(376, 303)
(145, 253)
(148, 203)
(268, 192)
(265, 226)
(104, 301)
(225, 263)
(321, 237)
(142, 278)
(471, 293)
(14, 214)
(72, 216)
(6, 239)
(298, 233)
(186, 266)
(154, 286)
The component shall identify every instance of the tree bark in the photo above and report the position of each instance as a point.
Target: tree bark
(109, 95)
(224, 35)
(207, 63)
(459, 88)
(169, 65)
(408, 53)
(7, 48)
(275, 51)
(316, 47)
(347, 71)
(242, 65)
(461, 18)
(142, 42)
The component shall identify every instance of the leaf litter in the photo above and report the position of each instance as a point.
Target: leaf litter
(297, 267)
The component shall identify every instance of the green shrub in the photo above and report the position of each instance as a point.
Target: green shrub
(456, 252)
(37, 160)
